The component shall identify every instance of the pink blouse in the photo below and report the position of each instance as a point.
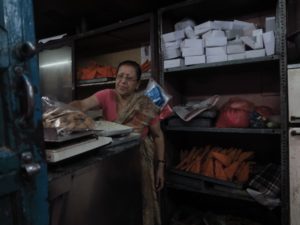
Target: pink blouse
(107, 101)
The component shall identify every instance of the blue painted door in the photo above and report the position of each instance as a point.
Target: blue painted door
(23, 173)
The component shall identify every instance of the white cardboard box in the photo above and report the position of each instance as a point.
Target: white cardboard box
(173, 36)
(173, 63)
(224, 25)
(270, 24)
(269, 42)
(254, 42)
(207, 24)
(216, 58)
(235, 48)
(190, 33)
(236, 56)
(255, 53)
(234, 33)
(172, 44)
(171, 53)
(194, 43)
(215, 41)
(192, 51)
(214, 33)
(181, 25)
(237, 24)
(257, 32)
(192, 60)
(215, 51)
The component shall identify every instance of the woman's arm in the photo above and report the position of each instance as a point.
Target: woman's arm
(85, 104)
(158, 138)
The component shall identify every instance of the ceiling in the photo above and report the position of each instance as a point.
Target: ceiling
(54, 17)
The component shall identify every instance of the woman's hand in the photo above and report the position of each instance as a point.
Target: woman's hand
(160, 177)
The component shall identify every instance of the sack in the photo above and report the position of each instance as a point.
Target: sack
(235, 114)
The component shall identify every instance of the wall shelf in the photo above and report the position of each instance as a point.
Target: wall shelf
(225, 130)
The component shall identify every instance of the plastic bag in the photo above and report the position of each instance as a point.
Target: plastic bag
(64, 118)
(166, 112)
(157, 94)
(235, 114)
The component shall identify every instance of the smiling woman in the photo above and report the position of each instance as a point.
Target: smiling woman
(125, 105)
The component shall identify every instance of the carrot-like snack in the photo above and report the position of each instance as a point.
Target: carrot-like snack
(243, 172)
(219, 171)
(237, 154)
(231, 154)
(185, 162)
(222, 158)
(183, 154)
(232, 169)
(208, 168)
(245, 156)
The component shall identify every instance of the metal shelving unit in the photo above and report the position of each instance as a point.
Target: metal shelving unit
(224, 64)
(224, 130)
(179, 81)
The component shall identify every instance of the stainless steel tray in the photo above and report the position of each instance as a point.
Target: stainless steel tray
(50, 135)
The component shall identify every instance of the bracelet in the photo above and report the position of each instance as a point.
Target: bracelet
(161, 161)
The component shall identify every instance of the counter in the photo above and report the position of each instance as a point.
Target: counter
(101, 186)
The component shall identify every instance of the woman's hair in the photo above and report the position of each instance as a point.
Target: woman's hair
(134, 64)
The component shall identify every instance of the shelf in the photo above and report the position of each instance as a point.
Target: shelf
(102, 81)
(190, 182)
(224, 130)
(223, 64)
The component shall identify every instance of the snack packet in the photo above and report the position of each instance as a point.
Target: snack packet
(157, 94)
(64, 118)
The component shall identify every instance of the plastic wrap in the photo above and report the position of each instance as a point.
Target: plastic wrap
(64, 118)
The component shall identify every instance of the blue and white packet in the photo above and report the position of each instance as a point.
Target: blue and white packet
(157, 94)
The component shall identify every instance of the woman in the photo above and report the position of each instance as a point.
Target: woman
(124, 105)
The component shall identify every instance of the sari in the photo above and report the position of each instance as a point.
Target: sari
(140, 113)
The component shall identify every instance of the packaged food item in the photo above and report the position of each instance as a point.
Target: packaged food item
(64, 118)
(157, 94)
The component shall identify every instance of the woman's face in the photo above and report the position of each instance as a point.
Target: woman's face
(126, 80)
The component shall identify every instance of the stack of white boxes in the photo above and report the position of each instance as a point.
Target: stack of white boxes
(217, 41)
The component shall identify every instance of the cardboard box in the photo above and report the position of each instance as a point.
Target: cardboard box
(172, 44)
(192, 43)
(235, 48)
(257, 32)
(242, 25)
(181, 25)
(172, 63)
(224, 25)
(192, 60)
(236, 56)
(190, 33)
(255, 53)
(204, 27)
(215, 51)
(270, 24)
(230, 34)
(171, 53)
(173, 36)
(192, 51)
(254, 42)
(269, 42)
(207, 24)
(215, 41)
(216, 58)
(214, 33)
